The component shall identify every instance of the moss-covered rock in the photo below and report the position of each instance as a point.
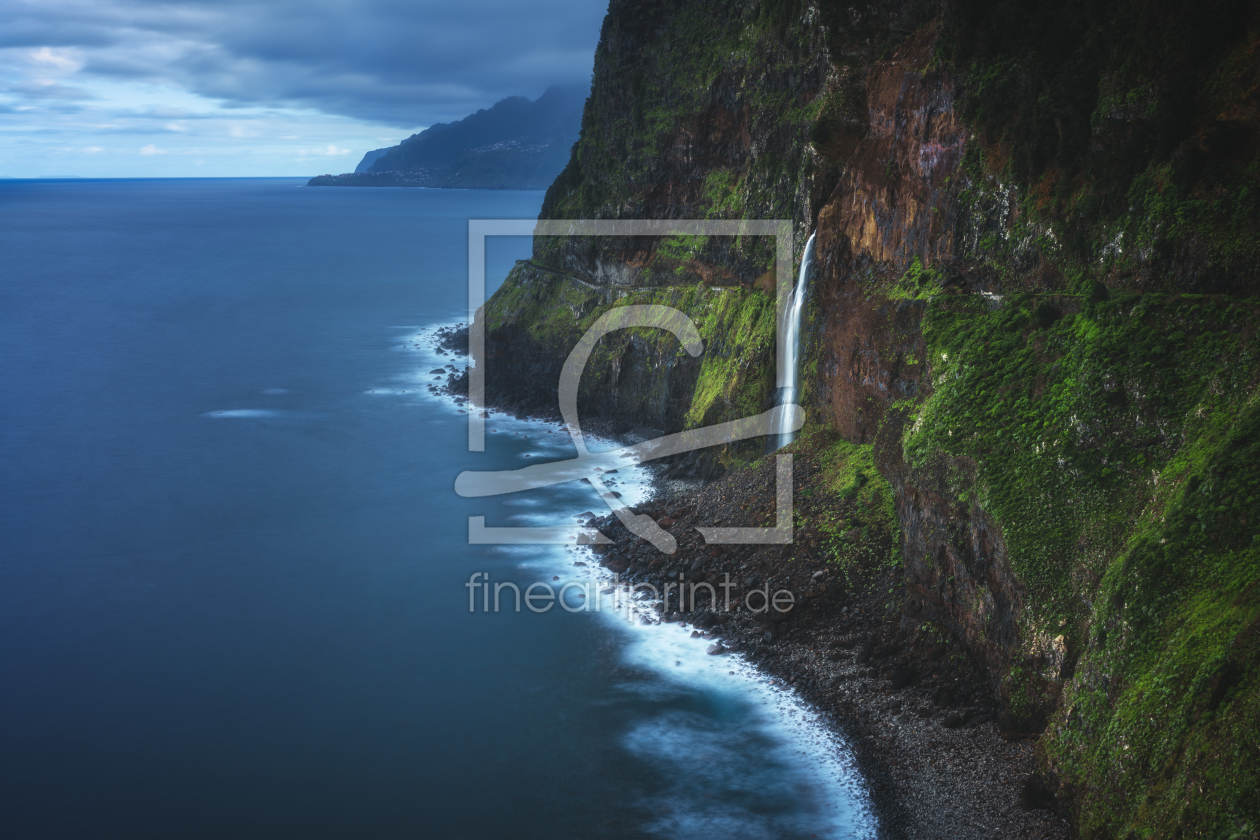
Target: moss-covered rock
(1019, 209)
(638, 376)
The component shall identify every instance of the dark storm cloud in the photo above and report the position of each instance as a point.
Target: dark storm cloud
(402, 62)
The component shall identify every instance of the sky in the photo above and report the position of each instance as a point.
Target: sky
(188, 88)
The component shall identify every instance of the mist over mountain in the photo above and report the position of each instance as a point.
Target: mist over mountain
(514, 144)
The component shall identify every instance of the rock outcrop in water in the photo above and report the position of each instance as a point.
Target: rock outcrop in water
(1037, 237)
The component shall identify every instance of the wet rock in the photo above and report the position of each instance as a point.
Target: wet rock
(1037, 793)
(616, 563)
(901, 677)
(716, 649)
(780, 617)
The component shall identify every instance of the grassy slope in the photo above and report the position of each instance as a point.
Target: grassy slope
(1117, 446)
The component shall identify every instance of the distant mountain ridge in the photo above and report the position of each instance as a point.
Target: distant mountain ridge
(515, 144)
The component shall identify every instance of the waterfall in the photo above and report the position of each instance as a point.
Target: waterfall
(791, 328)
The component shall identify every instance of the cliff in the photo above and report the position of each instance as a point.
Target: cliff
(370, 158)
(1034, 305)
(693, 114)
(514, 145)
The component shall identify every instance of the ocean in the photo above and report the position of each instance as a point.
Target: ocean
(233, 566)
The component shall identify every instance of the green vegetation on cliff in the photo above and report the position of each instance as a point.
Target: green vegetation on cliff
(858, 529)
(734, 378)
(1129, 126)
(709, 122)
(1116, 443)
(1072, 410)
(1160, 731)
(1115, 436)
(1060, 413)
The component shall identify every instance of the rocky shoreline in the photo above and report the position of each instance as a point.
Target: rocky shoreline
(919, 713)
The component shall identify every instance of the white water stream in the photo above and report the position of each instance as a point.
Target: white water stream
(791, 329)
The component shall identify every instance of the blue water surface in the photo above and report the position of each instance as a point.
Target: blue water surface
(233, 566)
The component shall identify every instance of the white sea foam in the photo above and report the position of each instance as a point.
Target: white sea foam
(242, 413)
(726, 782)
(727, 778)
(813, 761)
(757, 745)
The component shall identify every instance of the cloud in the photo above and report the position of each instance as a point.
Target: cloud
(48, 89)
(56, 59)
(331, 150)
(244, 84)
(395, 62)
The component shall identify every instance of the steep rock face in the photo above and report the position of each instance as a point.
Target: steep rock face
(696, 112)
(893, 204)
(370, 158)
(635, 378)
(896, 206)
(890, 204)
(1069, 459)
(1037, 443)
